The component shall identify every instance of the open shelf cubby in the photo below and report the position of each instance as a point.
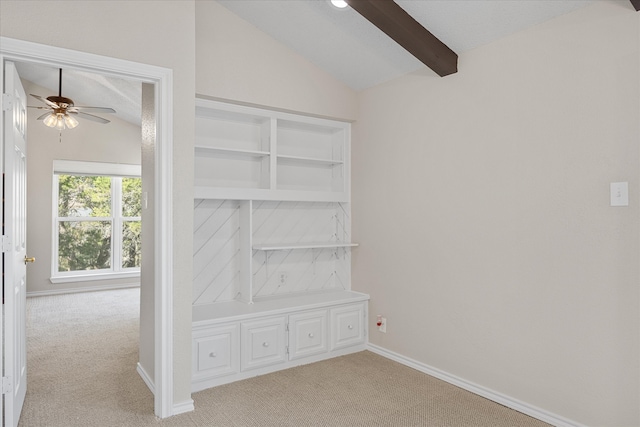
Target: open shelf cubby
(277, 155)
(247, 250)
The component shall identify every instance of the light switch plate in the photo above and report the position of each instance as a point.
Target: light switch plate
(619, 194)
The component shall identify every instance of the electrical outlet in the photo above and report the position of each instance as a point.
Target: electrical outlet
(283, 278)
(383, 327)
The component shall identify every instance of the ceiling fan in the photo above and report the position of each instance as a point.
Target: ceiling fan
(62, 110)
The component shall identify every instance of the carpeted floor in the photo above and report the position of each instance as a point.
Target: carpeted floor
(83, 348)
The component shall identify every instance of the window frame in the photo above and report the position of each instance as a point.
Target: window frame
(116, 171)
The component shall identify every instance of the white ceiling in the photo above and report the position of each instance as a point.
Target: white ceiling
(344, 44)
(340, 41)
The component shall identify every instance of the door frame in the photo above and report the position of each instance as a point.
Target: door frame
(162, 79)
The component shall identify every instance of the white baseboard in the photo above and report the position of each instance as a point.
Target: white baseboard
(500, 398)
(181, 408)
(146, 378)
(82, 289)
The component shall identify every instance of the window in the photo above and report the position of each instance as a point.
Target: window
(97, 221)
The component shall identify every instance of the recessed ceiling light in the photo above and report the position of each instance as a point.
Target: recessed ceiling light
(341, 4)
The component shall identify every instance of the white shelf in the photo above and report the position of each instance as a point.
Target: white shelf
(309, 160)
(230, 151)
(210, 192)
(206, 314)
(308, 245)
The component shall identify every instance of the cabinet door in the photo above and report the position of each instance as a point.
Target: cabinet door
(263, 343)
(347, 326)
(307, 334)
(215, 352)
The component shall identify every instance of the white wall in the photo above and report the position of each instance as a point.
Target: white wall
(159, 33)
(481, 205)
(236, 61)
(116, 142)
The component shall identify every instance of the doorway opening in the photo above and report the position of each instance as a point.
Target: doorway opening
(160, 80)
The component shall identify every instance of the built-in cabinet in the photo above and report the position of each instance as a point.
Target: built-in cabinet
(272, 243)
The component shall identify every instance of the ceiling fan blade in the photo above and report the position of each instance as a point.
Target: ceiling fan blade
(46, 101)
(96, 109)
(43, 116)
(38, 108)
(90, 117)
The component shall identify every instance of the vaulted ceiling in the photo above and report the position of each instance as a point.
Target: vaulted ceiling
(340, 41)
(353, 50)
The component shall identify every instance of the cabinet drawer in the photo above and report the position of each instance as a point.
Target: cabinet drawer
(347, 326)
(263, 343)
(215, 352)
(307, 334)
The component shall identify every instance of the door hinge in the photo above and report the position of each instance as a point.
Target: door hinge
(7, 385)
(7, 102)
(286, 327)
(6, 244)
(287, 349)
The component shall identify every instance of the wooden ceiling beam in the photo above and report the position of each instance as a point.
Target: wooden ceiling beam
(636, 4)
(389, 17)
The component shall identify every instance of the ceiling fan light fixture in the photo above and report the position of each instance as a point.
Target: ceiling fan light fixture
(70, 121)
(51, 120)
(340, 4)
(60, 122)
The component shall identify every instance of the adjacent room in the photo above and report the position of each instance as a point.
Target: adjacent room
(409, 212)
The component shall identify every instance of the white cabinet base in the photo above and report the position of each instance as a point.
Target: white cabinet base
(270, 339)
(215, 352)
(263, 343)
(308, 334)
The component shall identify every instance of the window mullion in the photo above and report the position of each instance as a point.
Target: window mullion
(116, 230)
(55, 267)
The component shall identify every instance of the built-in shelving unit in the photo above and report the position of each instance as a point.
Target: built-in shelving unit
(272, 243)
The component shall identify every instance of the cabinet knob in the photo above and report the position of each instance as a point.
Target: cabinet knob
(310, 335)
(265, 344)
(212, 354)
(350, 327)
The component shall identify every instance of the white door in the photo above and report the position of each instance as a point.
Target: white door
(14, 246)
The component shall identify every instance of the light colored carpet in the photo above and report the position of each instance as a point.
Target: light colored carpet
(82, 353)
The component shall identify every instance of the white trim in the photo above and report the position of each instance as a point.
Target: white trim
(82, 289)
(500, 398)
(90, 277)
(163, 235)
(181, 408)
(162, 79)
(146, 378)
(74, 167)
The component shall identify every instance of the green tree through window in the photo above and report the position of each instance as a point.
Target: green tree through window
(91, 230)
(131, 229)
